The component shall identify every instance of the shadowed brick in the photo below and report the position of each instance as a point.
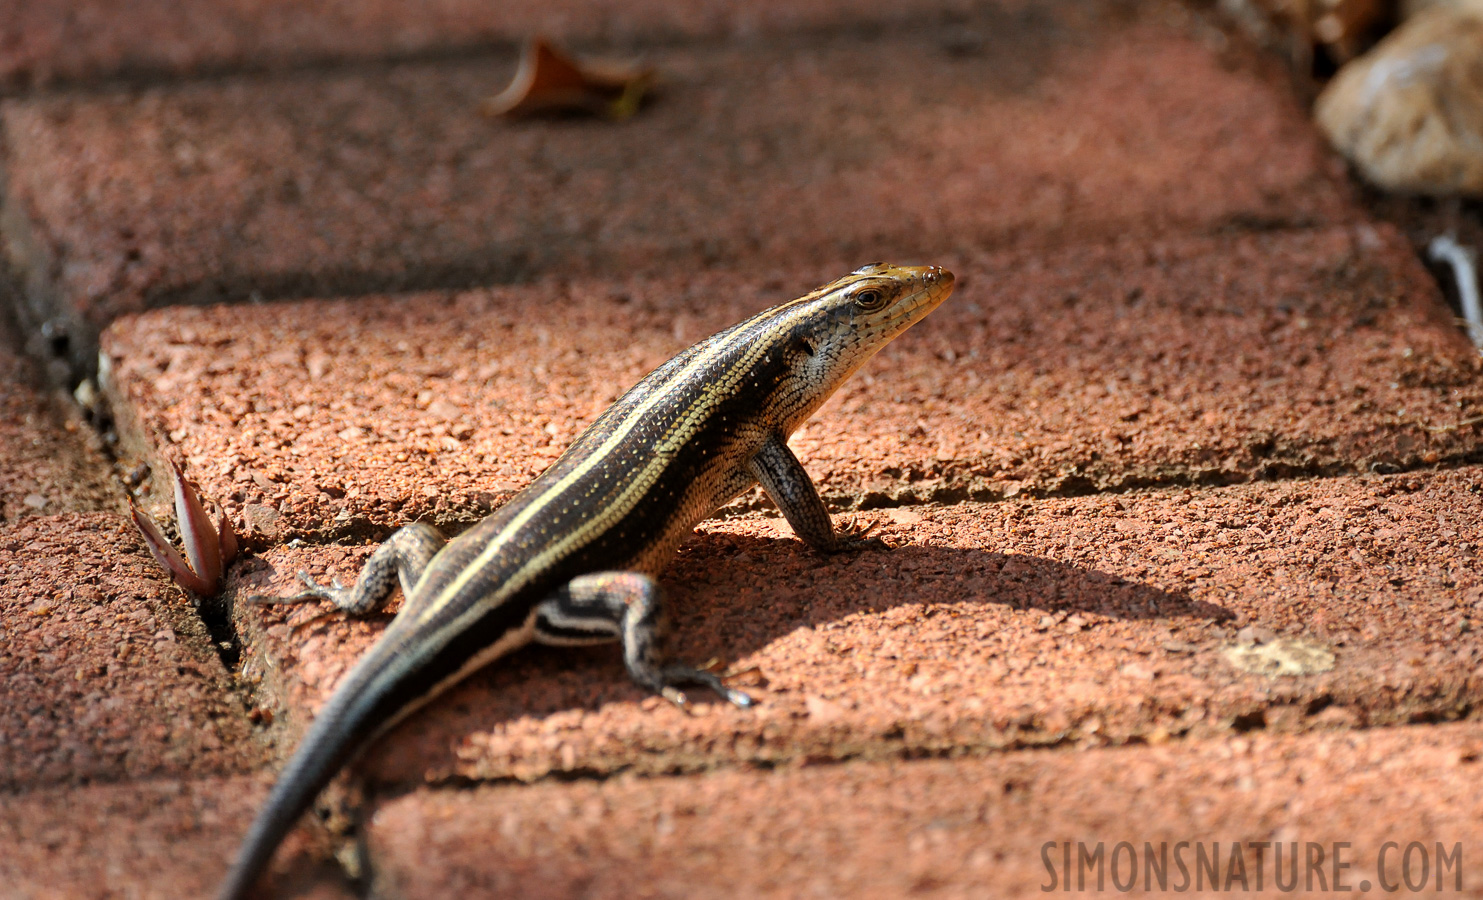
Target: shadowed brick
(49, 458)
(79, 40)
(1087, 620)
(840, 145)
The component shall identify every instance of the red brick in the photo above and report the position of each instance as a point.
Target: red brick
(842, 146)
(145, 839)
(1092, 620)
(46, 40)
(958, 828)
(108, 672)
(50, 461)
(1096, 367)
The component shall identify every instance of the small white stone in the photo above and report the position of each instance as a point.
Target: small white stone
(1287, 656)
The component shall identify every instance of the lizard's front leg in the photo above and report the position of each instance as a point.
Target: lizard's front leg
(786, 482)
(627, 607)
(402, 558)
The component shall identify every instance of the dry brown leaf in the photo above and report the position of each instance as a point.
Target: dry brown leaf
(202, 545)
(549, 81)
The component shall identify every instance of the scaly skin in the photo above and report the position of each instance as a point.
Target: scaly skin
(572, 558)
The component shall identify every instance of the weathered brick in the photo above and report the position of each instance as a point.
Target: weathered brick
(1101, 619)
(969, 827)
(1067, 124)
(108, 672)
(1099, 367)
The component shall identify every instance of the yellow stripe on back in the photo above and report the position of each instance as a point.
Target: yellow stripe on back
(637, 485)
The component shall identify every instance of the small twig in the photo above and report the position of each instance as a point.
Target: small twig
(1464, 268)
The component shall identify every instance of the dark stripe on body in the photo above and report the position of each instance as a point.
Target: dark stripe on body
(698, 476)
(360, 709)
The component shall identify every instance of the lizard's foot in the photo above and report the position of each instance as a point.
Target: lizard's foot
(853, 537)
(336, 593)
(677, 675)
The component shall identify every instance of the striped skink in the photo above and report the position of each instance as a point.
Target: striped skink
(571, 559)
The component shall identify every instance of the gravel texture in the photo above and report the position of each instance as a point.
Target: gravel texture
(108, 672)
(1100, 367)
(960, 828)
(852, 145)
(1079, 621)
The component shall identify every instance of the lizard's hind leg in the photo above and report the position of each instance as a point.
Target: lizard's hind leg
(628, 607)
(401, 559)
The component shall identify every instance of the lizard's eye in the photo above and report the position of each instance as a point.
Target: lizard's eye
(870, 299)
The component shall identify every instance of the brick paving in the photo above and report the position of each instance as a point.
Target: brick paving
(816, 146)
(1083, 621)
(52, 461)
(955, 828)
(108, 671)
(1094, 367)
(145, 838)
(89, 41)
(1183, 484)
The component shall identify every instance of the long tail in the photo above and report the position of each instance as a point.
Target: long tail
(410, 665)
(344, 727)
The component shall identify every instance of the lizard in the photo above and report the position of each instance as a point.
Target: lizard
(572, 558)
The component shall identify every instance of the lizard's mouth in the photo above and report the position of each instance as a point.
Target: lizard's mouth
(935, 284)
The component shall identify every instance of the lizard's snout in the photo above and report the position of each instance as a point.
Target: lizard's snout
(938, 275)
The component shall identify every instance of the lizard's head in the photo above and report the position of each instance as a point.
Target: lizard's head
(840, 326)
(876, 302)
(848, 320)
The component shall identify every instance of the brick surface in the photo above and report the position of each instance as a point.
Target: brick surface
(847, 145)
(108, 672)
(48, 40)
(49, 459)
(1164, 282)
(961, 828)
(1097, 367)
(1097, 619)
(144, 839)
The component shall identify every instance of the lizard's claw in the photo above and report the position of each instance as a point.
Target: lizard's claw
(853, 536)
(674, 675)
(315, 592)
(315, 586)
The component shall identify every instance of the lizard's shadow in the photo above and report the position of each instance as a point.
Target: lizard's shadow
(732, 595)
